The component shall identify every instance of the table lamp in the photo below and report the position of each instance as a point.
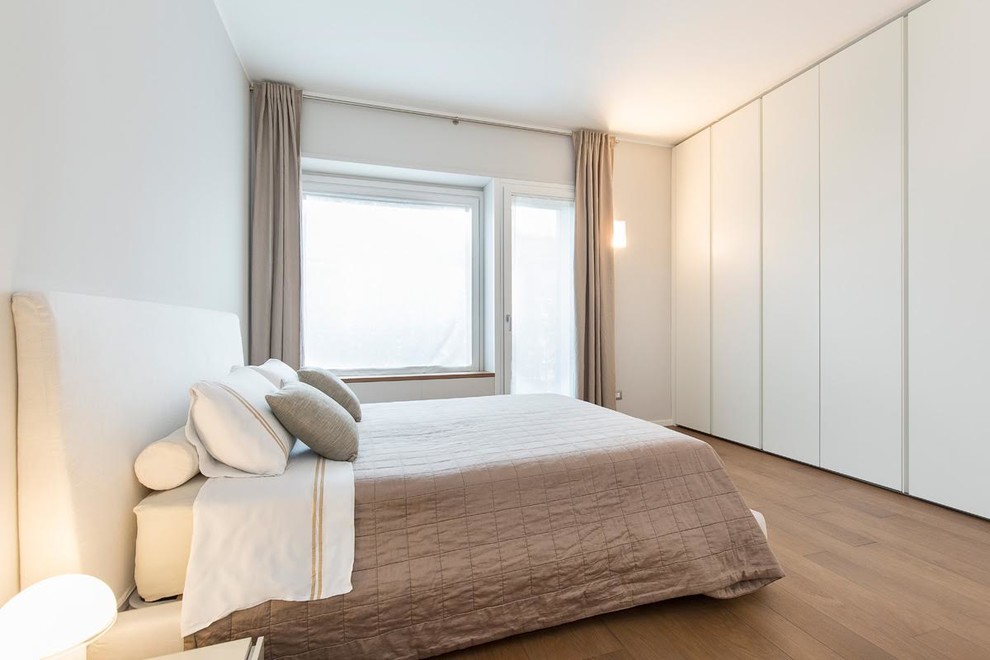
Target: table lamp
(57, 618)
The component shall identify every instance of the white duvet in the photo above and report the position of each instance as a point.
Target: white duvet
(287, 537)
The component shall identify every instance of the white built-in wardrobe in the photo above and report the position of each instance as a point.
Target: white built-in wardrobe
(832, 263)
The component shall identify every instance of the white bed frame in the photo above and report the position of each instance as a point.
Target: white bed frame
(98, 380)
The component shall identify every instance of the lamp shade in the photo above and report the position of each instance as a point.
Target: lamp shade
(56, 615)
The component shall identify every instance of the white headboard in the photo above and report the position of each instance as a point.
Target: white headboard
(98, 380)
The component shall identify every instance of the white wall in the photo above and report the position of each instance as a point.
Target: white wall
(127, 144)
(641, 191)
(692, 252)
(381, 137)
(642, 198)
(736, 294)
(791, 269)
(861, 137)
(948, 161)
(16, 159)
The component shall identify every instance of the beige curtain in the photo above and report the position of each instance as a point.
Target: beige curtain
(275, 209)
(593, 267)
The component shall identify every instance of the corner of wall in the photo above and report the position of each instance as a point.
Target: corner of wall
(641, 194)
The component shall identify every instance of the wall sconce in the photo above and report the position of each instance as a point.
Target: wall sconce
(618, 233)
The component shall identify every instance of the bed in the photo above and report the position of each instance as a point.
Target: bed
(475, 519)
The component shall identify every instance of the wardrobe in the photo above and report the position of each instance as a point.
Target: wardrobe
(830, 270)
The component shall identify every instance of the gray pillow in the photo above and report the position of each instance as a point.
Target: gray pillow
(327, 382)
(316, 419)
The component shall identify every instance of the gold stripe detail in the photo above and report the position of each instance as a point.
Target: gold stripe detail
(312, 561)
(259, 417)
(323, 483)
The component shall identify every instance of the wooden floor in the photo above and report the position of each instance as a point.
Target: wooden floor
(870, 574)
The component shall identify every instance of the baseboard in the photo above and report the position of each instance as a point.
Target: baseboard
(663, 422)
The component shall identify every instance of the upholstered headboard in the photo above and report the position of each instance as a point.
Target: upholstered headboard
(98, 380)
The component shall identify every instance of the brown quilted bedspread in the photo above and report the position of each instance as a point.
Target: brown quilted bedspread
(481, 518)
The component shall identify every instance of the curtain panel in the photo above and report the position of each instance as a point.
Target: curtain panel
(593, 267)
(275, 268)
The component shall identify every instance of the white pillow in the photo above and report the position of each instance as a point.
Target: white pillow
(233, 428)
(167, 463)
(276, 371)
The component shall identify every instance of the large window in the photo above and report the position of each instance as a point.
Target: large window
(391, 277)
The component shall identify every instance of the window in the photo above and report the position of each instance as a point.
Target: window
(391, 277)
(543, 349)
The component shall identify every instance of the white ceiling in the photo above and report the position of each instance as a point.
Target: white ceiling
(656, 69)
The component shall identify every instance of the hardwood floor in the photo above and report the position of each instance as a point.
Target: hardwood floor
(870, 574)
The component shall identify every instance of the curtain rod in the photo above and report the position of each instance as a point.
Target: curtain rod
(455, 119)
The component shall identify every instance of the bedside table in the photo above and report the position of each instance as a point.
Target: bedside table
(241, 649)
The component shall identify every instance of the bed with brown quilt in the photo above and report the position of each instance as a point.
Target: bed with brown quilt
(472, 519)
(476, 519)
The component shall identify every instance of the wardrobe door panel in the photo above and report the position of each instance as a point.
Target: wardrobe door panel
(692, 282)
(790, 269)
(948, 262)
(736, 213)
(862, 227)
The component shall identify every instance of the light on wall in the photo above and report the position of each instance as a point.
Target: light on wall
(618, 233)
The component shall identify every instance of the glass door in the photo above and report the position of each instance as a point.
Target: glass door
(540, 345)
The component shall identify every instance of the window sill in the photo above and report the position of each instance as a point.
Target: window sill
(450, 375)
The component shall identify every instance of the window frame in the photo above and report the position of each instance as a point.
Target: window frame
(328, 185)
(510, 189)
